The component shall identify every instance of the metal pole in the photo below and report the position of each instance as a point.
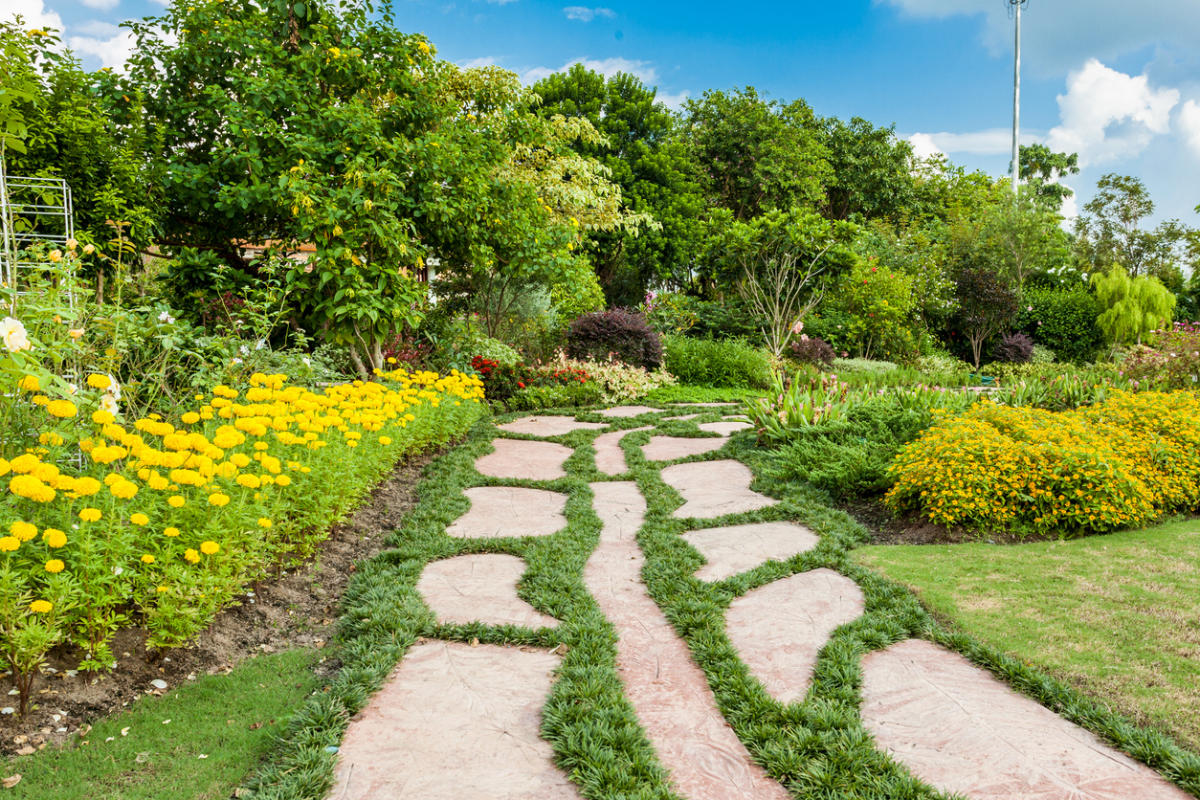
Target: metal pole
(1016, 150)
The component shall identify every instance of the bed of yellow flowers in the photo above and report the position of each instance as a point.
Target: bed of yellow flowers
(166, 520)
(1123, 462)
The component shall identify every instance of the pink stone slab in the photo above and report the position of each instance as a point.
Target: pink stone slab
(628, 411)
(724, 428)
(961, 730)
(518, 458)
(778, 629)
(683, 418)
(548, 426)
(498, 511)
(610, 458)
(705, 405)
(733, 549)
(668, 691)
(714, 489)
(455, 722)
(669, 448)
(481, 587)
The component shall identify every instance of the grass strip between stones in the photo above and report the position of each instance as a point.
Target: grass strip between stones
(817, 748)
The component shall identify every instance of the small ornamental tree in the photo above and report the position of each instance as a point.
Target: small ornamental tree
(986, 306)
(1132, 306)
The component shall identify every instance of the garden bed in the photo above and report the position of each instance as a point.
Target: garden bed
(295, 609)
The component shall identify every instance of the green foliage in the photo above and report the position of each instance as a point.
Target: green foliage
(1042, 170)
(870, 170)
(708, 362)
(617, 334)
(538, 398)
(580, 296)
(1064, 321)
(1131, 307)
(986, 306)
(873, 308)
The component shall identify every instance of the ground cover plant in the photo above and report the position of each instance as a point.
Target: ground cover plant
(713, 362)
(1113, 616)
(816, 747)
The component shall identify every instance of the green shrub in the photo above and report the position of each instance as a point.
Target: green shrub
(872, 311)
(702, 319)
(618, 382)
(1064, 321)
(706, 362)
(535, 398)
(618, 333)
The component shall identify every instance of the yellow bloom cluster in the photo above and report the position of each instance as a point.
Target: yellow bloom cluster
(1123, 462)
(173, 516)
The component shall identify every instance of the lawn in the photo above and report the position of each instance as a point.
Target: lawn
(1116, 616)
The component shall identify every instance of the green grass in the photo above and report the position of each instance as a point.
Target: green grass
(699, 394)
(816, 748)
(232, 720)
(1116, 616)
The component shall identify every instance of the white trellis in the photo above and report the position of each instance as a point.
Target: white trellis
(32, 210)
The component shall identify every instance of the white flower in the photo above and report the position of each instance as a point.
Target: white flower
(260, 344)
(114, 388)
(244, 350)
(166, 317)
(109, 404)
(307, 361)
(14, 335)
(236, 361)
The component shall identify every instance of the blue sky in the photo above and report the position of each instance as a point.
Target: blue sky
(1115, 82)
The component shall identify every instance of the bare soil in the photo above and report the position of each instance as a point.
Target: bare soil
(296, 608)
(886, 527)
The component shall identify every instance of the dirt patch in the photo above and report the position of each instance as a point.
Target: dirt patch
(886, 527)
(296, 608)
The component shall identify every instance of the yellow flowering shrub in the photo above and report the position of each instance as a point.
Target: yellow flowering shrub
(1123, 462)
(168, 519)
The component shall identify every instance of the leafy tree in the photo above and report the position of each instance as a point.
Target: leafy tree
(1132, 306)
(1025, 236)
(1042, 169)
(650, 164)
(757, 154)
(871, 170)
(986, 306)
(1110, 232)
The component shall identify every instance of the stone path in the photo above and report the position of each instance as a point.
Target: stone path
(461, 721)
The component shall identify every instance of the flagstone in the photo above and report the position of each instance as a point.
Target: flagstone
(522, 459)
(669, 448)
(628, 411)
(714, 488)
(550, 425)
(610, 458)
(725, 427)
(733, 549)
(498, 511)
(479, 587)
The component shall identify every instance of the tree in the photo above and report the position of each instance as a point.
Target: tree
(756, 154)
(650, 164)
(1110, 232)
(1132, 306)
(986, 306)
(1043, 169)
(871, 170)
(780, 262)
(1026, 237)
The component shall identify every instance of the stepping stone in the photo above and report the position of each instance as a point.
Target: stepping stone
(518, 458)
(610, 458)
(455, 722)
(548, 426)
(499, 511)
(714, 489)
(684, 418)
(705, 405)
(481, 587)
(779, 628)
(668, 692)
(724, 428)
(733, 549)
(961, 730)
(669, 448)
(628, 411)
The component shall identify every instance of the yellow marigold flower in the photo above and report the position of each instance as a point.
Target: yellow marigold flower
(218, 499)
(90, 515)
(263, 522)
(286, 480)
(54, 537)
(9, 544)
(5, 467)
(170, 533)
(248, 481)
(147, 559)
(139, 519)
(55, 566)
(261, 445)
(23, 530)
(102, 417)
(209, 548)
(240, 460)
(385, 440)
(191, 418)
(61, 408)
(41, 606)
(126, 490)
(176, 501)
(97, 381)
(30, 383)
(191, 555)
(86, 486)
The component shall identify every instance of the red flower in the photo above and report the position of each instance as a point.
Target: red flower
(521, 384)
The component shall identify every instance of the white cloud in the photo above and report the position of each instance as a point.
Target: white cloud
(924, 146)
(1060, 34)
(607, 67)
(586, 14)
(112, 51)
(989, 142)
(102, 5)
(1107, 115)
(673, 101)
(476, 63)
(1189, 125)
(33, 12)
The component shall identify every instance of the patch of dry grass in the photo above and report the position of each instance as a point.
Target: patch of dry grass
(1116, 616)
